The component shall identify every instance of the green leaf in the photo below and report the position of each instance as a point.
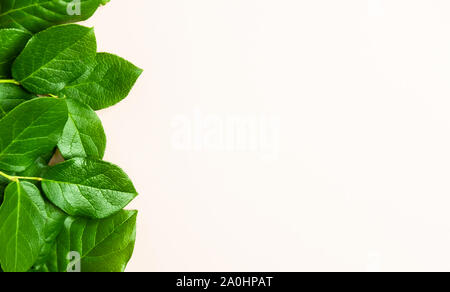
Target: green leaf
(83, 135)
(37, 15)
(107, 82)
(54, 58)
(42, 55)
(54, 222)
(103, 245)
(90, 188)
(39, 269)
(21, 227)
(11, 96)
(38, 168)
(29, 131)
(12, 42)
(50, 264)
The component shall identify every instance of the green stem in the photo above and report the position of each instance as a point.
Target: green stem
(11, 178)
(9, 81)
(12, 81)
(29, 178)
(17, 178)
(48, 95)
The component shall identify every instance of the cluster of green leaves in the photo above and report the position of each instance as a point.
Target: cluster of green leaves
(52, 80)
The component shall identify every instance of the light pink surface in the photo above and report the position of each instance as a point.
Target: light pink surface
(360, 90)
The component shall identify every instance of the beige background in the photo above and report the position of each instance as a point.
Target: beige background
(360, 90)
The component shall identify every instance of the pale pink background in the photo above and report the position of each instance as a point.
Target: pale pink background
(362, 88)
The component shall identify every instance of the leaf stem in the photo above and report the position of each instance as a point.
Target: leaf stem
(48, 95)
(29, 178)
(10, 81)
(9, 177)
(17, 178)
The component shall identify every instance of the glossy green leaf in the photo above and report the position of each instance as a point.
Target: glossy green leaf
(38, 168)
(107, 82)
(37, 15)
(11, 96)
(29, 131)
(51, 264)
(90, 188)
(54, 58)
(21, 227)
(104, 245)
(54, 222)
(51, 81)
(39, 269)
(83, 135)
(12, 42)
